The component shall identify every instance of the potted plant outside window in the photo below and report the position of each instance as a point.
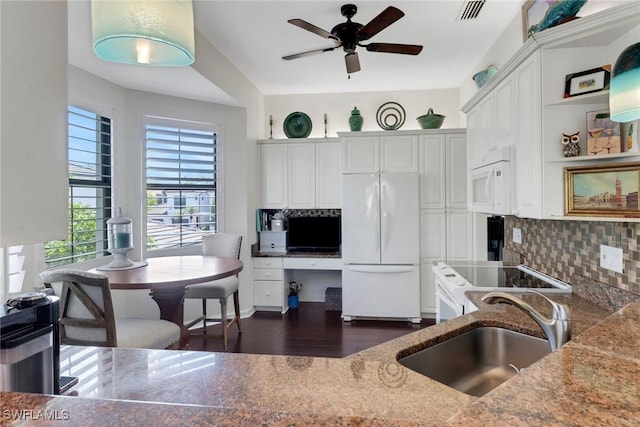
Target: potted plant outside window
(294, 289)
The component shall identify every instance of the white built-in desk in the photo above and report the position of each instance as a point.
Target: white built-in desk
(272, 273)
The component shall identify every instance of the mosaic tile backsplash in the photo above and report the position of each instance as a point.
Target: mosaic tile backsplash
(564, 249)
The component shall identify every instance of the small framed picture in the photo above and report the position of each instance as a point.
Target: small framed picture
(610, 190)
(589, 81)
(603, 135)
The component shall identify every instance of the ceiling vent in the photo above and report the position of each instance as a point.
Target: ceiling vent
(470, 9)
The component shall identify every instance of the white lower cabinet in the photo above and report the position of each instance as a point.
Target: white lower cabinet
(269, 291)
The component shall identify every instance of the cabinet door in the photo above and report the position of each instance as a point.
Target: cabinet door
(480, 124)
(504, 116)
(528, 180)
(459, 236)
(399, 153)
(302, 176)
(328, 175)
(433, 238)
(361, 154)
(273, 167)
(456, 168)
(432, 171)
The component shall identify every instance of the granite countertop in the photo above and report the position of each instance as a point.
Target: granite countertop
(592, 380)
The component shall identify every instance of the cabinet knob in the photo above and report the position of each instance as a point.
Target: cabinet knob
(267, 274)
(267, 293)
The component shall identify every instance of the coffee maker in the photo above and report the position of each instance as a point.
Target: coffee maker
(30, 344)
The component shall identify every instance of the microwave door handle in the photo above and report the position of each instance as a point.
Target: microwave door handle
(489, 185)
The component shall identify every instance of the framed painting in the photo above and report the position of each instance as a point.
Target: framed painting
(603, 135)
(588, 81)
(610, 190)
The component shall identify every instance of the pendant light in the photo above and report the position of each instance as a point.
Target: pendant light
(624, 92)
(149, 32)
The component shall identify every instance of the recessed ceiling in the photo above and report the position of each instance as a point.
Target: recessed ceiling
(254, 35)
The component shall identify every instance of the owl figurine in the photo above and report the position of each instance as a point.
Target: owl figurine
(571, 144)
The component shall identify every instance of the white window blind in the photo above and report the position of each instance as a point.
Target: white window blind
(181, 184)
(89, 146)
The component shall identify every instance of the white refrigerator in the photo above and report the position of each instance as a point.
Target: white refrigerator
(381, 246)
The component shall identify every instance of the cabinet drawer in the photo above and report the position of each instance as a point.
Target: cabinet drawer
(268, 293)
(266, 262)
(312, 263)
(267, 274)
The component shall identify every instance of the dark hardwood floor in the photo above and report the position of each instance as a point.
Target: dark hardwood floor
(307, 331)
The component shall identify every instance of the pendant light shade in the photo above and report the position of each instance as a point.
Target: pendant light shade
(149, 32)
(624, 93)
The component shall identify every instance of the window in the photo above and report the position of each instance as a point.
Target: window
(181, 183)
(89, 145)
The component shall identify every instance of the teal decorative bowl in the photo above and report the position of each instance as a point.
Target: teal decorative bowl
(430, 120)
(483, 76)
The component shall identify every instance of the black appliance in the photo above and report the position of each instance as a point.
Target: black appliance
(30, 344)
(314, 233)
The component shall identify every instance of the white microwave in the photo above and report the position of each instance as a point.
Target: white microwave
(490, 188)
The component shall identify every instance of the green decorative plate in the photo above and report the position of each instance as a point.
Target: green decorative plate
(297, 125)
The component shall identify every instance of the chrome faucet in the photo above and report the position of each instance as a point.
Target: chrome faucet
(557, 329)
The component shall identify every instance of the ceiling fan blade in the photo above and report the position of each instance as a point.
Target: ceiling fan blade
(383, 20)
(352, 61)
(309, 52)
(310, 27)
(406, 49)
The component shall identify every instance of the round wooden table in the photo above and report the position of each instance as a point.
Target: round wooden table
(167, 278)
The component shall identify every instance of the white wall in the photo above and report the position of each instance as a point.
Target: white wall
(338, 108)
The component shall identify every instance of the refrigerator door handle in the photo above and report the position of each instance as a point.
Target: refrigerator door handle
(377, 213)
(382, 268)
(385, 218)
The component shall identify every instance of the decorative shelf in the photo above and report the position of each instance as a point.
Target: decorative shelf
(594, 158)
(590, 98)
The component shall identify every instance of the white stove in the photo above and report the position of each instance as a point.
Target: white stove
(452, 281)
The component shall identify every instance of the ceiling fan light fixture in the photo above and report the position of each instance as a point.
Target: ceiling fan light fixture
(159, 32)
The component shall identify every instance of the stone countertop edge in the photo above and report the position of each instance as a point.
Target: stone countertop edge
(592, 380)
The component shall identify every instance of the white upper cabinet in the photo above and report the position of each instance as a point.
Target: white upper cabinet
(273, 167)
(328, 175)
(361, 154)
(528, 162)
(456, 157)
(387, 153)
(304, 174)
(504, 120)
(433, 171)
(443, 171)
(399, 153)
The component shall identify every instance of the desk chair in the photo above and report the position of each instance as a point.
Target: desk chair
(87, 318)
(224, 245)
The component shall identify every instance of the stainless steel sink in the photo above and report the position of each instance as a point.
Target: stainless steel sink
(479, 360)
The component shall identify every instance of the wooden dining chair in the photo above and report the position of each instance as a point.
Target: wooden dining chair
(224, 245)
(87, 317)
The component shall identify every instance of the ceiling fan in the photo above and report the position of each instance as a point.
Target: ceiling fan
(349, 35)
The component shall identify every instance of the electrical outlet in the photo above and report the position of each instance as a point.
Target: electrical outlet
(611, 258)
(517, 235)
